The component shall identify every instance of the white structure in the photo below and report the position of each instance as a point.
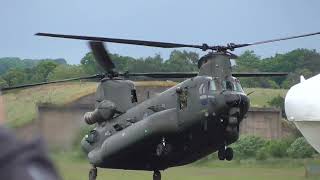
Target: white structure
(302, 105)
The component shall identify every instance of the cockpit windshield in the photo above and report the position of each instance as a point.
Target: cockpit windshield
(232, 85)
(238, 86)
(212, 85)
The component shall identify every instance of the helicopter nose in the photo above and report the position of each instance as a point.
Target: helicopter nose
(232, 99)
(224, 102)
(236, 100)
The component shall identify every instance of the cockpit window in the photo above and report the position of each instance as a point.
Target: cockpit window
(227, 85)
(238, 86)
(134, 98)
(212, 85)
(232, 85)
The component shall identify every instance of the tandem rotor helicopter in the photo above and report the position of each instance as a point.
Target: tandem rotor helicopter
(185, 123)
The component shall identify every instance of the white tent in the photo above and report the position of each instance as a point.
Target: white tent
(302, 106)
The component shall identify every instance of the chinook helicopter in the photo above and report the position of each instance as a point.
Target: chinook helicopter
(185, 123)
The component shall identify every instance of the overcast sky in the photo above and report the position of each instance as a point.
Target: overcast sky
(182, 21)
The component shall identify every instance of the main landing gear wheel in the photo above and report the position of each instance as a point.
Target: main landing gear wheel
(156, 175)
(225, 154)
(93, 173)
(222, 154)
(229, 154)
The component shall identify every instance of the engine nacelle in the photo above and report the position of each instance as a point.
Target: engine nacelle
(104, 111)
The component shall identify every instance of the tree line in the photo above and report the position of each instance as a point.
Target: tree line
(14, 71)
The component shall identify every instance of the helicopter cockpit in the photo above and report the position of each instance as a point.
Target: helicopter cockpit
(231, 84)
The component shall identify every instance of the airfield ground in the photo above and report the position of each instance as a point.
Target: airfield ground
(72, 169)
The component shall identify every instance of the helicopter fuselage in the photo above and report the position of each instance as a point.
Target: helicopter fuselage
(176, 127)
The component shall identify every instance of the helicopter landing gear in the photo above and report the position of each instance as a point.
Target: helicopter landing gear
(225, 154)
(232, 125)
(229, 154)
(156, 175)
(93, 173)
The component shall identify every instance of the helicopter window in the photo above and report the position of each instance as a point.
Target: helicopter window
(228, 85)
(212, 85)
(183, 99)
(134, 96)
(117, 127)
(238, 86)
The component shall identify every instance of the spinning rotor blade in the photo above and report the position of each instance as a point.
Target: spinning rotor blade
(122, 41)
(259, 74)
(234, 46)
(203, 47)
(51, 82)
(162, 74)
(101, 55)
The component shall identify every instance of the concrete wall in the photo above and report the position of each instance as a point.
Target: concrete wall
(263, 122)
(61, 125)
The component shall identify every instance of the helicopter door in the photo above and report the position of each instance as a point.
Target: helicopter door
(185, 104)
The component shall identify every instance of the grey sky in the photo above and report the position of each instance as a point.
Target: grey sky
(182, 21)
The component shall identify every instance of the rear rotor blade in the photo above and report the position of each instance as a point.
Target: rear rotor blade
(101, 55)
(259, 74)
(52, 82)
(122, 41)
(234, 46)
(162, 74)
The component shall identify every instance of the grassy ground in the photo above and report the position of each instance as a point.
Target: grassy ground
(260, 97)
(21, 104)
(78, 169)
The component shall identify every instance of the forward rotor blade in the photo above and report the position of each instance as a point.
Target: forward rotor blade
(259, 74)
(101, 55)
(52, 82)
(122, 41)
(234, 46)
(163, 74)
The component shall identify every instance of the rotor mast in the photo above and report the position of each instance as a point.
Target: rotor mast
(215, 64)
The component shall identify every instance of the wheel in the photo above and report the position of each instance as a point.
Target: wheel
(156, 175)
(222, 154)
(93, 173)
(229, 154)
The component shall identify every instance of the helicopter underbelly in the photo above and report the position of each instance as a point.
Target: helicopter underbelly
(187, 147)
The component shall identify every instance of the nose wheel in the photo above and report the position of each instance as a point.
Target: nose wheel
(225, 154)
(93, 173)
(156, 175)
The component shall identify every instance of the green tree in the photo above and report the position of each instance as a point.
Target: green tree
(65, 72)
(300, 148)
(14, 77)
(3, 83)
(90, 65)
(181, 61)
(42, 70)
(248, 146)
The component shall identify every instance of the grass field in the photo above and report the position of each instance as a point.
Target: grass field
(220, 170)
(21, 104)
(260, 96)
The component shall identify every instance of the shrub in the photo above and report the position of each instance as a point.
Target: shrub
(278, 148)
(300, 148)
(262, 154)
(248, 146)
